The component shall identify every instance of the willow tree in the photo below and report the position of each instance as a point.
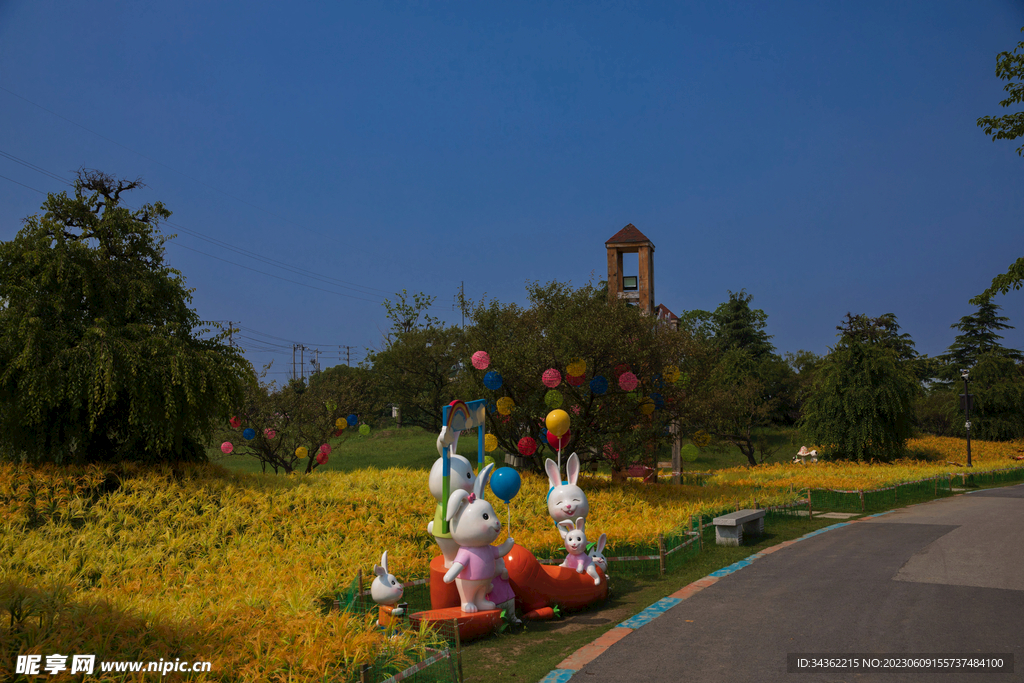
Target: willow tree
(101, 357)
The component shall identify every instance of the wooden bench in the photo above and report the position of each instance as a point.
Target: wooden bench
(729, 529)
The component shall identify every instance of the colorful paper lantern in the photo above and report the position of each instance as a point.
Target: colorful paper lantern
(557, 421)
(492, 407)
(269, 433)
(321, 458)
(577, 368)
(647, 406)
(505, 483)
(364, 429)
(481, 360)
(235, 422)
(659, 401)
(628, 381)
(492, 380)
(620, 369)
(553, 399)
(527, 446)
(352, 420)
(490, 442)
(340, 423)
(575, 380)
(599, 385)
(672, 375)
(249, 434)
(551, 378)
(505, 405)
(325, 448)
(301, 452)
(226, 447)
(559, 442)
(339, 432)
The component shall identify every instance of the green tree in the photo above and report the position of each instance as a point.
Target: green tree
(978, 337)
(1009, 65)
(861, 406)
(738, 326)
(420, 358)
(100, 355)
(564, 325)
(1007, 127)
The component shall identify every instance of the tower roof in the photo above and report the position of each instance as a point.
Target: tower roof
(627, 235)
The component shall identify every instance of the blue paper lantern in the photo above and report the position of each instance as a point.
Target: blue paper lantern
(505, 483)
(658, 382)
(599, 385)
(249, 434)
(352, 420)
(492, 380)
(492, 407)
(659, 401)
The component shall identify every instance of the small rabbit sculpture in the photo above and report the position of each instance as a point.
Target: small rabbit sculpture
(576, 544)
(566, 500)
(386, 592)
(474, 526)
(596, 553)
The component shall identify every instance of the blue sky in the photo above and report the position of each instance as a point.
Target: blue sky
(822, 156)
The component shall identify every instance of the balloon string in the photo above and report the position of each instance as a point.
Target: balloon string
(508, 505)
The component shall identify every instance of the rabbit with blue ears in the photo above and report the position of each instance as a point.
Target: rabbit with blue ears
(474, 526)
(566, 500)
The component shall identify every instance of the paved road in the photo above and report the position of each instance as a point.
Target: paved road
(942, 577)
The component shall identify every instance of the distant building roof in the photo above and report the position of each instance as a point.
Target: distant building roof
(626, 235)
(665, 314)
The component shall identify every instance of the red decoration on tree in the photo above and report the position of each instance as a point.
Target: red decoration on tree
(551, 378)
(574, 380)
(628, 381)
(527, 446)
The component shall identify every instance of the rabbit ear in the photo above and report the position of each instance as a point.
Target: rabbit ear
(380, 571)
(572, 469)
(481, 481)
(600, 543)
(554, 476)
(568, 525)
(384, 560)
(455, 501)
(580, 521)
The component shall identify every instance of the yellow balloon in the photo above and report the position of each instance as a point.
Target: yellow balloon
(505, 405)
(301, 452)
(490, 442)
(577, 368)
(557, 422)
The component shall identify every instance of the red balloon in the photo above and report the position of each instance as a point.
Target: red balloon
(559, 442)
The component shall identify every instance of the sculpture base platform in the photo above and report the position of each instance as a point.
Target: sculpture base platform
(470, 624)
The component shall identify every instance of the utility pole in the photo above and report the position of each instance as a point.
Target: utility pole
(302, 360)
(231, 341)
(462, 302)
(348, 354)
(293, 361)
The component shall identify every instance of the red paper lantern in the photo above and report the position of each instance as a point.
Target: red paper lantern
(339, 432)
(321, 458)
(551, 378)
(619, 369)
(235, 422)
(527, 446)
(575, 380)
(559, 442)
(481, 360)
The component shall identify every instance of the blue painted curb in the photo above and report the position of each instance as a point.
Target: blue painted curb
(655, 610)
(558, 676)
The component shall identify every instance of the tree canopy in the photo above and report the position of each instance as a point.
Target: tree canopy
(1009, 65)
(101, 357)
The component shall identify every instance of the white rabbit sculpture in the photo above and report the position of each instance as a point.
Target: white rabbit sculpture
(386, 592)
(474, 525)
(576, 544)
(596, 553)
(566, 500)
(462, 478)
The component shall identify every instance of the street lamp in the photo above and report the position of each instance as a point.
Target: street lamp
(965, 400)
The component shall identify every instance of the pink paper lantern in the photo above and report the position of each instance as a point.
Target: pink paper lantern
(628, 381)
(269, 433)
(559, 442)
(226, 447)
(325, 449)
(321, 458)
(527, 446)
(235, 422)
(551, 378)
(481, 360)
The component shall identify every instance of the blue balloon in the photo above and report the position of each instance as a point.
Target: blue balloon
(352, 420)
(249, 434)
(493, 380)
(599, 385)
(505, 483)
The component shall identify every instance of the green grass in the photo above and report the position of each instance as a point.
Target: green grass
(530, 654)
